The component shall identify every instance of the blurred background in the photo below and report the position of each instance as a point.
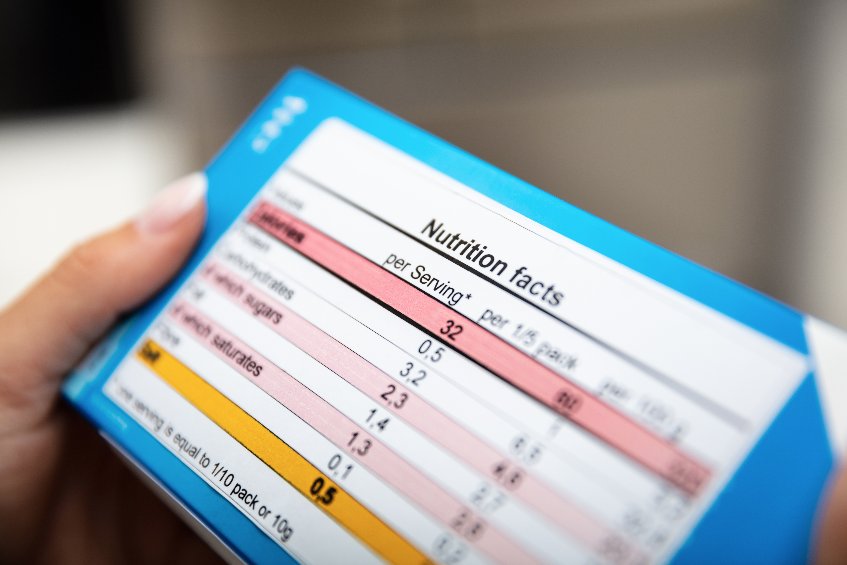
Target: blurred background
(715, 128)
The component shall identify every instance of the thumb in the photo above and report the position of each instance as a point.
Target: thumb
(46, 331)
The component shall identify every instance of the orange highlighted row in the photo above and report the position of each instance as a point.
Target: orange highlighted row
(280, 457)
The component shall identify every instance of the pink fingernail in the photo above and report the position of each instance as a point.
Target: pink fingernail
(171, 204)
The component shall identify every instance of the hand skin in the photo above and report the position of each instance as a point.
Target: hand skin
(832, 541)
(65, 497)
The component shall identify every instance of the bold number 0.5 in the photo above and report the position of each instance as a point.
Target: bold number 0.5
(451, 329)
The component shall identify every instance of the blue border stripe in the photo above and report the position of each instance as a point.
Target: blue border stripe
(766, 514)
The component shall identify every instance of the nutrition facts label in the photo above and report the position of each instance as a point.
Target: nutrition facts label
(378, 363)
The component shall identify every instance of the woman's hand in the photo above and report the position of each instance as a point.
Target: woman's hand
(64, 496)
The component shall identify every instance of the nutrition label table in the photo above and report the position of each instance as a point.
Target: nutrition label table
(378, 363)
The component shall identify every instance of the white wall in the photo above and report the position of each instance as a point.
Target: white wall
(65, 178)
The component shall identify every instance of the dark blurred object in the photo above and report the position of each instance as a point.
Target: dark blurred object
(57, 55)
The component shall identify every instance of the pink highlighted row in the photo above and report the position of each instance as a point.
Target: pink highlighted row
(501, 358)
(348, 436)
(417, 412)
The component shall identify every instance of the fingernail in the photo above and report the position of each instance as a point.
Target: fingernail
(171, 204)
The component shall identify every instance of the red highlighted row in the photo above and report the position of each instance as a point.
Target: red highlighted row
(509, 363)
